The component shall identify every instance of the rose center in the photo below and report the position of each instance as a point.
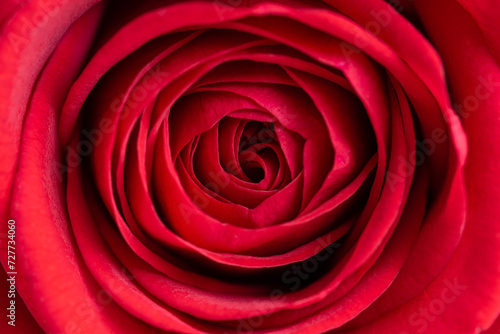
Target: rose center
(252, 149)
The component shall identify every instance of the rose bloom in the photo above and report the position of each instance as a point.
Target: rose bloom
(250, 166)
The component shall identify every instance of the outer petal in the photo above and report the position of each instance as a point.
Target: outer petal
(479, 252)
(465, 297)
(51, 277)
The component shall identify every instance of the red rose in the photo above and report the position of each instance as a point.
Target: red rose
(245, 166)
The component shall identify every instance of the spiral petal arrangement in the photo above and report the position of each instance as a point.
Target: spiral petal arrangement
(208, 167)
